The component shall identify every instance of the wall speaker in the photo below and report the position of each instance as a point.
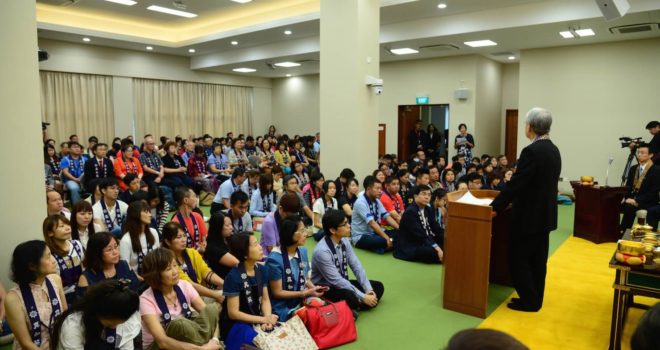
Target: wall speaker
(461, 94)
(613, 9)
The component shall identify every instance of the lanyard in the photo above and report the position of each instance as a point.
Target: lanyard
(247, 289)
(71, 274)
(373, 208)
(239, 226)
(267, 201)
(188, 267)
(343, 266)
(191, 242)
(141, 257)
(288, 273)
(397, 205)
(33, 312)
(106, 216)
(162, 305)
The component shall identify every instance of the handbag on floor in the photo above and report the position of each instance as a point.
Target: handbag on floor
(206, 198)
(331, 325)
(291, 335)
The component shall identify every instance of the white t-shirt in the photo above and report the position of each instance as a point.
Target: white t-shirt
(84, 235)
(72, 336)
(98, 213)
(126, 248)
(319, 207)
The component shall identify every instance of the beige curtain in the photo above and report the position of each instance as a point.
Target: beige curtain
(78, 104)
(170, 108)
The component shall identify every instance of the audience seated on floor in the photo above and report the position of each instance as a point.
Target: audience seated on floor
(152, 165)
(197, 170)
(391, 199)
(106, 317)
(420, 237)
(55, 204)
(98, 167)
(67, 253)
(263, 200)
(247, 301)
(217, 252)
(128, 163)
(37, 300)
(288, 269)
(330, 261)
(251, 182)
(166, 307)
(325, 202)
(174, 168)
(270, 237)
(102, 262)
(238, 212)
(109, 211)
(192, 266)
(227, 188)
(192, 222)
(291, 186)
(138, 238)
(82, 225)
(73, 167)
(367, 213)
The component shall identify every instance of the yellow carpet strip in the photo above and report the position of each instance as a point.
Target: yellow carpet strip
(577, 309)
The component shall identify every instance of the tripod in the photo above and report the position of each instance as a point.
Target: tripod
(626, 169)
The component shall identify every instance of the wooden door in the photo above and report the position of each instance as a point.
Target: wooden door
(511, 143)
(408, 116)
(382, 131)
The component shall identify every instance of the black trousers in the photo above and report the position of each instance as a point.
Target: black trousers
(628, 218)
(528, 259)
(335, 294)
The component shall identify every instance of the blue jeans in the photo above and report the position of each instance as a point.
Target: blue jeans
(74, 189)
(374, 242)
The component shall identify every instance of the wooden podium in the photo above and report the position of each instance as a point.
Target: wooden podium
(472, 258)
(597, 212)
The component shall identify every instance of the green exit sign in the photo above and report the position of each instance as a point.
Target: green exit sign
(422, 100)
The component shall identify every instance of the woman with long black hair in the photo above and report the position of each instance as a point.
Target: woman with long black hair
(106, 318)
(139, 238)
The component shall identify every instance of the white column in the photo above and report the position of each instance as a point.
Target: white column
(349, 53)
(22, 185)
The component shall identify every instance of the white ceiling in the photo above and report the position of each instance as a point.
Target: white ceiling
(514, 24)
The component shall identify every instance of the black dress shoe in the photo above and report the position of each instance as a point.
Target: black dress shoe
(520, 307)
(515, 300)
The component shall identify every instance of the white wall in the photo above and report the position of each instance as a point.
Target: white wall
(124, 65)
(510, 77)
(262, 113)
(296, 105)
(488, 104)
(597, 93)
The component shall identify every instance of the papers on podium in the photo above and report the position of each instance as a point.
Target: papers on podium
(469, 198)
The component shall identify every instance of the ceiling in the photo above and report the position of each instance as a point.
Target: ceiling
(259, 29)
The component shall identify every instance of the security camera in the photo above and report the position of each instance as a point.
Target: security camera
(375, 84)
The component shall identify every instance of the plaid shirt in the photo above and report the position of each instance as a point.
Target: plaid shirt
(152, 160)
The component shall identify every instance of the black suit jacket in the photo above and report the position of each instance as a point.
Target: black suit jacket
(533, 189)
(648, 191)
(412, 234)
(90, 173)
(421, 140)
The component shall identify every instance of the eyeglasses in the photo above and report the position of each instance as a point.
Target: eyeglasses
(345, 223)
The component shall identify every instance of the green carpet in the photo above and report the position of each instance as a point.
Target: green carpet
(410, 314)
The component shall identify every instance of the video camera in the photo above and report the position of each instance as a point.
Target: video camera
(627, 141)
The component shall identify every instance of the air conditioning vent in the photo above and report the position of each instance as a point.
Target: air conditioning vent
(439, 48)
(635, 28)
(59, 2)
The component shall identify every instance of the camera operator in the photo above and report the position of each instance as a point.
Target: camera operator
(654, 146)
(644, 183)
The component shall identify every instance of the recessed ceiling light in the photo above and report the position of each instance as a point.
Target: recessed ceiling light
(241, 1)
(442, 6)
(403, 51)
(123, 2)
(566, 34)
(149, 48)
(585, 32)
(288, 75)
(287, 64)
(191, 50)
(244, 70)
(288, 32)
(87, 40)
(480, 43)
(234, 43)
(170, 11)
(511, 58)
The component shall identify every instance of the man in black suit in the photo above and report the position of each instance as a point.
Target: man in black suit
(417, 138)
(533, 192)
(644, 183)
(420, 237)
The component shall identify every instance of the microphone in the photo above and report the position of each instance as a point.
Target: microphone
(607, 174)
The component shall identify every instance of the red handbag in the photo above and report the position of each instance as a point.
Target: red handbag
(331, 325)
